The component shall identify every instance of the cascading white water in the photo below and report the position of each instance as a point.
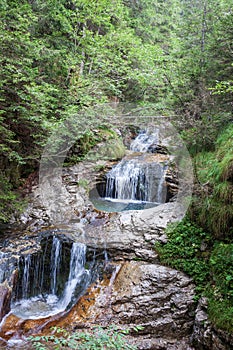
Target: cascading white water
(144, 140)
(133, 180)
(26, 276)
(138, 178)
(126, 181)
(78, 273)
(136, 181)
(35, 305)
(55, 263)
(2, 272)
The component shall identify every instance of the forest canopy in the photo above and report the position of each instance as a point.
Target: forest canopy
(58, 57)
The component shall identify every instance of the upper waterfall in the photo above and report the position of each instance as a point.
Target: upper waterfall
(139, 177)
(138, 180)
(144, 140)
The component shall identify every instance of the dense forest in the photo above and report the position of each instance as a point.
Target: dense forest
(58, 57)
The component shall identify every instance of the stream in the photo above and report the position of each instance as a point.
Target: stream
(52, 280)
(52, 274)
(137, 182)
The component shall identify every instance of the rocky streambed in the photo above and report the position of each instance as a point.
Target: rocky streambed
(127, 286)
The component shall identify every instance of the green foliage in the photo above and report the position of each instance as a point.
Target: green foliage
(191, 250)
(9, 201)
(83, 183)
(58, 57)
(221, 295)
(99, 143)
(186, 250)
(212, 208)
(202, 59)
(221, 263)
(221, 313)
(97, 338)
(223, 87)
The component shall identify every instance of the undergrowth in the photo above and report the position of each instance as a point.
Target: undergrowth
(96, 339)
(212, 206)
(9, 200)
(220, 293)
(208, 262)
(187, 250)
(87, 142)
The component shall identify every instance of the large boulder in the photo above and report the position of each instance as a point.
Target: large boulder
(156, 297)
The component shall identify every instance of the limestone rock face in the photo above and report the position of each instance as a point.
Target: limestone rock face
(156, 297)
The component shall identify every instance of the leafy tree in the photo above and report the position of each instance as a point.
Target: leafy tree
(18, 128)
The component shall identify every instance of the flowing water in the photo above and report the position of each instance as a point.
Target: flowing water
(47, 283)
(52, 278)
(134, 180)
(55, 263)
(145, 140)
(137, 181)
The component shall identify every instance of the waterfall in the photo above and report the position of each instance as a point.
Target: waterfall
(78, 274)
(4, 267)
(136, 181)
(139, 177)
(26, 276)
(47, 284)
(127, 181)
(144, 140)
(161, 190)
(55, 263)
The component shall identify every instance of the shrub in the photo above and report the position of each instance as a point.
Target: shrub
(96, 339)
(9, 201)
(221, 264)
(212, 207)
(186, 251)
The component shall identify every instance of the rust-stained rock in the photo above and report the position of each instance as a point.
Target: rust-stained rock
(87, 311)
(14, 326)
(156, 297)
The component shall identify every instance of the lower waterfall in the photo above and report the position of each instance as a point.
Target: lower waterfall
(53, 279)
(55, 263)
(78, 275)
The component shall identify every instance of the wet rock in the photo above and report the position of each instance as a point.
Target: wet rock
(155, 148)
(129, 295)
(5, 299)
(3, 343)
